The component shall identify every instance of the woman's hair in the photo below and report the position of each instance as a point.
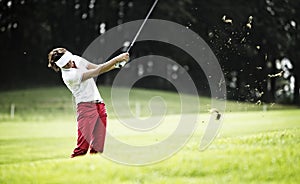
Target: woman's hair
(54, 56)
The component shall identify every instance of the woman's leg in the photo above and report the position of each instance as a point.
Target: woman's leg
(82, 145)
(99, 129)
(87, 118)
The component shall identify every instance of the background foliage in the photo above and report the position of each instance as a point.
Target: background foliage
(29, 29)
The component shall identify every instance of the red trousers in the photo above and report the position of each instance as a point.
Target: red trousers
(91, 119)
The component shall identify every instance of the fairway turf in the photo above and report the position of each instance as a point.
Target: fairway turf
(43, 104)
(253, 147)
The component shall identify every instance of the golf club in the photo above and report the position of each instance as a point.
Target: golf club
(121, 64)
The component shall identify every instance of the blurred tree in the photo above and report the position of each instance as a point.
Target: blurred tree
(261, 33)
(276, 30)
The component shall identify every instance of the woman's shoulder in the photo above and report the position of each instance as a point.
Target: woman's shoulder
(80, 60)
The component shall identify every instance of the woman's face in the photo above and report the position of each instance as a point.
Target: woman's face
(68, 65)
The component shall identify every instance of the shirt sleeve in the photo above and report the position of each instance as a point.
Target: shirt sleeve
(83, 62)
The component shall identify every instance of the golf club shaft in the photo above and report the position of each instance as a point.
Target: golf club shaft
(122, 63)
(139, 31)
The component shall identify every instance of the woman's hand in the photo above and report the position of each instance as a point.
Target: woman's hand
(123, 57)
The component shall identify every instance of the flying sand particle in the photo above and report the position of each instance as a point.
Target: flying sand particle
(266, 57)
(229, 41)
(243, 40)
(258, 102)
(249, 24)
(226, 20)
(275, 75)
(259, 94)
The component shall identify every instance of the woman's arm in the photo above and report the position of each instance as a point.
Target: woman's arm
(94, 66)
(91, 66)
(105, 67)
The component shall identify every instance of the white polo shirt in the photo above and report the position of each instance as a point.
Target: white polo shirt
(83, 91)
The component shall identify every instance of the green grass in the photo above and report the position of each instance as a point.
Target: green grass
(253, 146)
(44, 104)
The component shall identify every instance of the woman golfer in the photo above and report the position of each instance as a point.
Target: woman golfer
(77, 73)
